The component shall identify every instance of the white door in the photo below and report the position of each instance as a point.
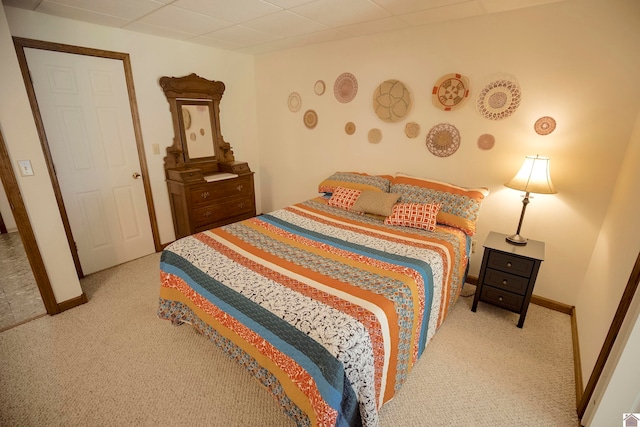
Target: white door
(84, 104)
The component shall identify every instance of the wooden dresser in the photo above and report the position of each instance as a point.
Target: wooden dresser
(200, 203)
(207, 187)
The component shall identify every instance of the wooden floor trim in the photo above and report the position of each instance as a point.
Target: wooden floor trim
(73, 302)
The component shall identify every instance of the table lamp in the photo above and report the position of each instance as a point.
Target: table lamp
(533, 177)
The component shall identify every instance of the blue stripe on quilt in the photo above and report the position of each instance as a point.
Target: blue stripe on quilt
(312, 356)
(422, 267)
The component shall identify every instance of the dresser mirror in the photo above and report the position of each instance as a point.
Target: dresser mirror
(194, 103)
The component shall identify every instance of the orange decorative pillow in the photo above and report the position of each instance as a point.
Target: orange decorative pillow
(355, 180)
(416, 215)
(459, 206)
(344, 198)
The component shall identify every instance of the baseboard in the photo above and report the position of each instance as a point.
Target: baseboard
(73, 302)
(551, 304)
(577, 363)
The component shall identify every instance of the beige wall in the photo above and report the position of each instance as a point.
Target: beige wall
(22, 143)
(151, 57)
(615, 253)
(569, 58)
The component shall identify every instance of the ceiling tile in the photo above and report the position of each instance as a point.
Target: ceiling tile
(242, 35)
(126, 9)
(157, 31)
(377, 26)
(63, 11)
(285, 24)
(221, 44)
(399, 7)
(492, 6)
(336, 13)
(445, 13)
(184, 20)
(22, 4)
(287, 4)
(235, 11)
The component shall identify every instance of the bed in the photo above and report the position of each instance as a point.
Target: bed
(328, 304)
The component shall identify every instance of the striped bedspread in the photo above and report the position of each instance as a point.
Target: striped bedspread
(328, 309)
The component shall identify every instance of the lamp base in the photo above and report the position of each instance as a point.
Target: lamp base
(516, 239)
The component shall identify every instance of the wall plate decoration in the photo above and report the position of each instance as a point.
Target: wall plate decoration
(544, 125)
(391, 101)
(310, 119)
(486, 141)
(345, 88)
(374, 136)
(450, 92)
(499, 99)
(319, 87)
(412, 129)
(443, 140)
(350, 128)
(294, 102)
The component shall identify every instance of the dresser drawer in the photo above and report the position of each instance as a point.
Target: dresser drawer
(510, 263)
(506, 281)
(223, 210)
(205, 193)
(501, 298)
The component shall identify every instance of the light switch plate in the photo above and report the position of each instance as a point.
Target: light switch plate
(25, 167)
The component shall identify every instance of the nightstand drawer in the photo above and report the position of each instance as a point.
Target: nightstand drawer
(506, 281)
(501, 298)
(510, 264)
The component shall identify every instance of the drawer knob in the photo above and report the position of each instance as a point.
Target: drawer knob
(207, 214)
(504, 282)
(499, 298)
(509, 264)
(205, 194)
(239, 187)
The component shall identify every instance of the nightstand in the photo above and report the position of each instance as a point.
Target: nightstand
(508, 274)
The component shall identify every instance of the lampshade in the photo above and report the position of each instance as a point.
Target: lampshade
(533, 176)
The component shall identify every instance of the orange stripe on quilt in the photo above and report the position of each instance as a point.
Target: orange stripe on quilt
(297, 383)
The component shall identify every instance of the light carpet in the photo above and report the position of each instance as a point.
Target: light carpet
(113, 362)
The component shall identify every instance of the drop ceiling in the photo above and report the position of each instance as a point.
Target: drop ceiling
(260, 26)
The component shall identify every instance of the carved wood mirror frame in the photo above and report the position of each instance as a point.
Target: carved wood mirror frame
(194, 103)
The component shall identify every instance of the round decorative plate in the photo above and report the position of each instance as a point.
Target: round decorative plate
(499, 99)
(450, 92)
(186, 117)
(443, 140)
(544, 125)
(412, 129)
(486, 141)
(294, 102)
(319, 87)
(375, 136)
(391, 101)
(310, 119)
(350, 128)
(345, 88)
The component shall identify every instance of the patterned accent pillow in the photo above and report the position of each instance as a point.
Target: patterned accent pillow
(459, 205)
(344, 198)
(357, 181)
(417, 215)
(376, 203)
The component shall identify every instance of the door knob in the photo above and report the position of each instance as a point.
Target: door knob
(136, 175)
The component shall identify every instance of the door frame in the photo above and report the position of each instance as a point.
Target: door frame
(22, 43)
(19, 211)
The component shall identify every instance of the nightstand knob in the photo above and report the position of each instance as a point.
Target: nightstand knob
(499, 298)
(508, 264)
(504, 282)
